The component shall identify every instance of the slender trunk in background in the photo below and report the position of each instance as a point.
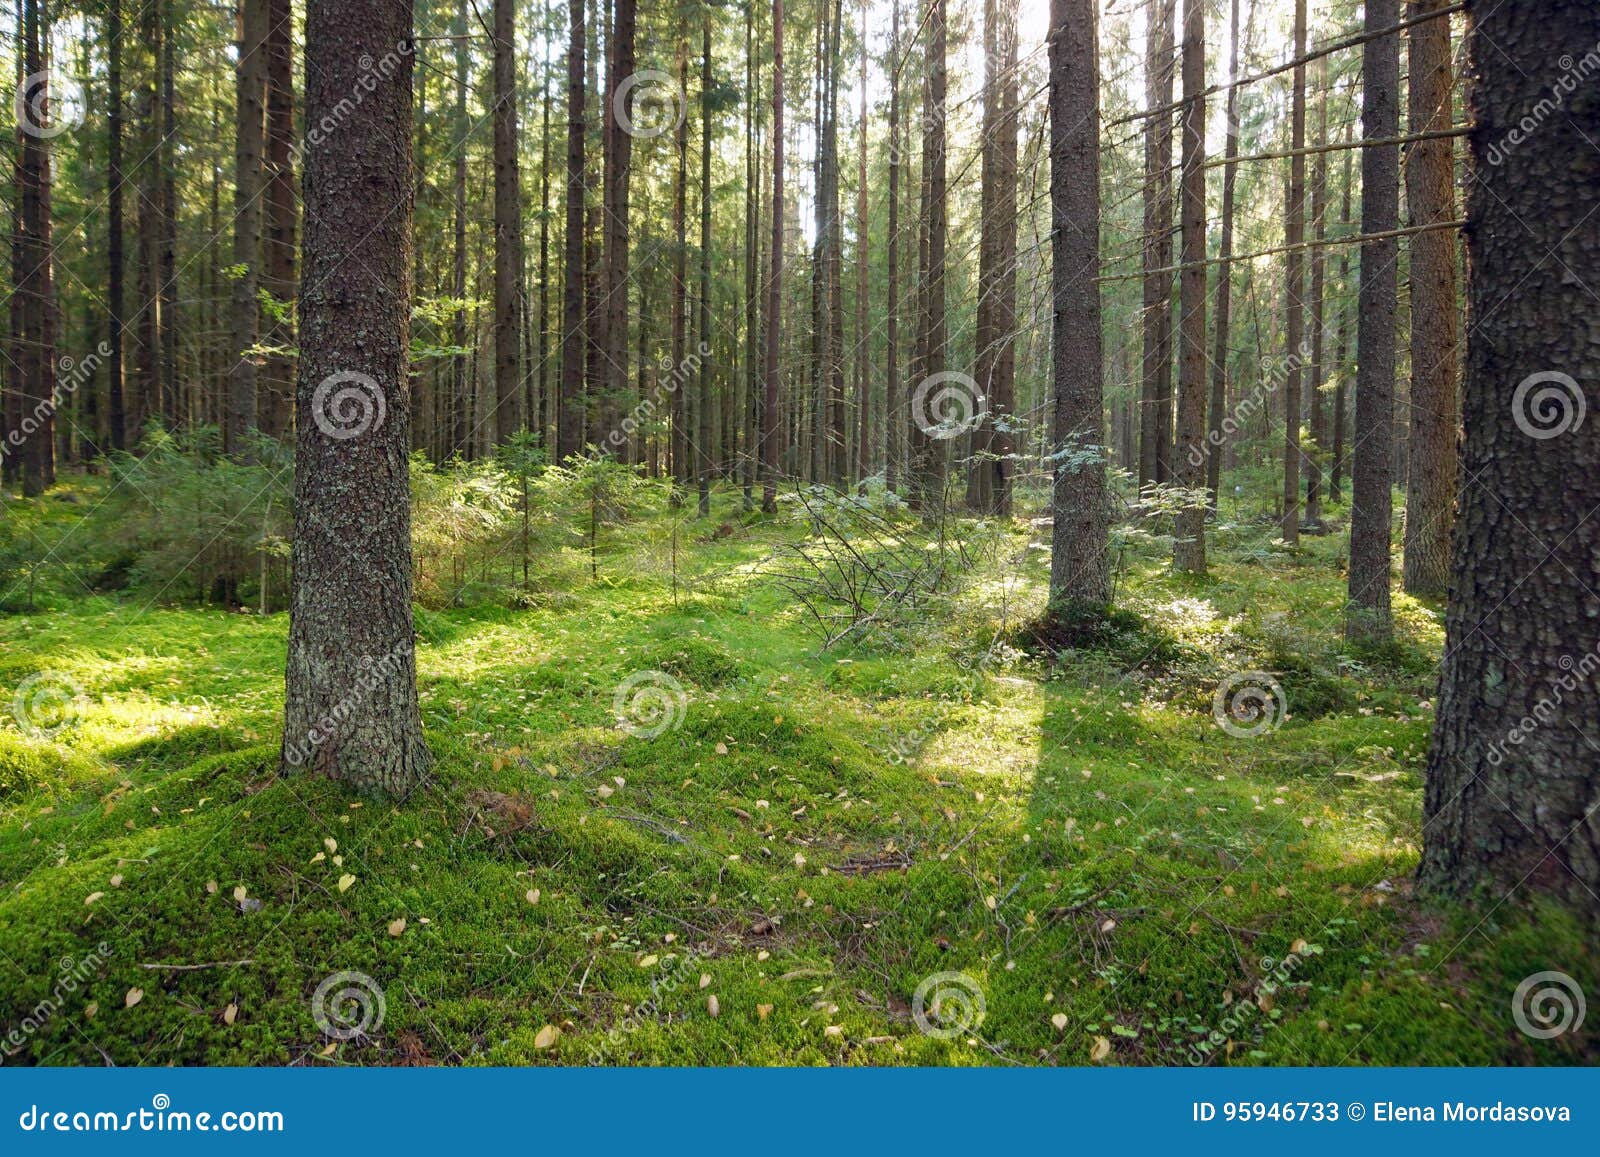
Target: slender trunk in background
(1216, 435)
(508, 252)
(1368, 619)
(705, 437)
(541, 420)
(116, 403)
(35, 360)
(1294, 277)
(1189, 541)
(1314, 369)
(172, 406)
(1430, 197)
(569, 438)
(351, 710)
(619, 162)
(989, 487)
(277, 376)
(771, 437)
(683, 449)
(1155, 402)
(863, 455)
(1341, 406)
(1080, 571)
(249, 141)
(750, 410)
(893, 420)
(930, 415)
(460, 385)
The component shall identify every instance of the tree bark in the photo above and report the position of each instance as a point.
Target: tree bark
(1430, 197)
(249, 141)
(1367, 618)
(351, 709)
(1294, 277)
(1080, 571)
(1510, 801)
(1216, 434)
(1155, 403)
(115, 262)
(569, 437)
(1189, 542)
(1314, 368)
(771, 436)
(277, 379)
(893, 419)
(508, 250)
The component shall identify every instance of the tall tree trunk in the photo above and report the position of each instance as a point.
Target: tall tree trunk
(750, 410)
(1080, 571)
(932, 445)
(1341, 345)
(893, 419)
(1314, 369)
(508, 258)
(167, 252)
(1430, 196)
(1367, 618)
(351, 709)
(569, 438)
(33, 287)
(115, 400)
(249, 141)
(705, 435)
(1294, 276)
(1155, 413)
(277, 377)
(771, 434)
(460, 383)
(863, 455)
(1189, 542)
(1216, 432)
(683, 448)
(1511, 780)
(619, 161)
(989, 489)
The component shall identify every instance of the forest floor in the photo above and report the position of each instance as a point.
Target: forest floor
(1068, 857)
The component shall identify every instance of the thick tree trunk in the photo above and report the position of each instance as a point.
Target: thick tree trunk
(1294, 277)
(1367, 618)
(508, 417)
(1189, 542)
(249, 142)
(569, 437)
(1080, 571)
(771, 434)
(1155, 402)
(1512, 789)
(351, 709)
(1430, 197)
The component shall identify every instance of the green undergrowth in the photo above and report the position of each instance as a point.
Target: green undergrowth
(1052, 840)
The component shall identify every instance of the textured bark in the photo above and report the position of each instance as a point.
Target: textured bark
(1341, 345)
(989, 490)
(460, 384)
(1155, 402)
(863, 454)
(771, 435)
(569, 436)
(1224, 309)
(1080, 572)
(1512, 799)
(682, 440)
(351, 710)
(705, 438)
(931, 457)
(277, 376)
(894, 420)
(1368, 618)
(1430, 197)
(508, 416)
(619, 162)
(249, 143)
(1294, 303)
(35, 358)
(1189, 546)
(1314, 368)
(115, 264)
